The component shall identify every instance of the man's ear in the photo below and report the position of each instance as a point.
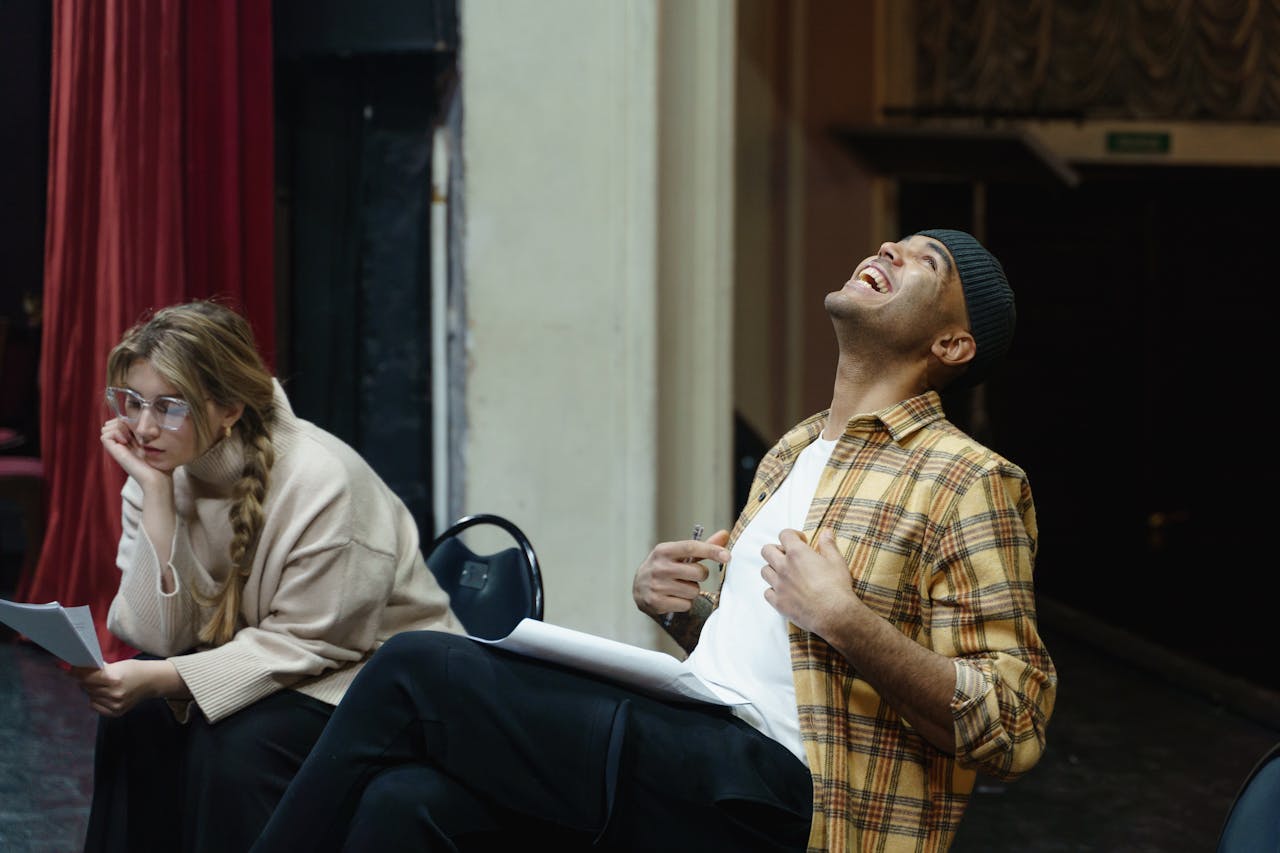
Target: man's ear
(955, 348)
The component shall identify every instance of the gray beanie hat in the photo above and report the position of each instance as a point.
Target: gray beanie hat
(988, 298)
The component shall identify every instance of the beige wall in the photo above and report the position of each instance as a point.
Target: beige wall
(559, 158)
(653, 213)
(695, 266)
(597, 158)
(807, 211)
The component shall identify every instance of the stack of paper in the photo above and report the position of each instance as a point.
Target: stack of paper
(649, 671)
(67, 632)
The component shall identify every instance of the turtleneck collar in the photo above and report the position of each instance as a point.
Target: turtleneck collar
(222, 464)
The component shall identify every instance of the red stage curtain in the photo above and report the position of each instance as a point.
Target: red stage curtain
(160, 190)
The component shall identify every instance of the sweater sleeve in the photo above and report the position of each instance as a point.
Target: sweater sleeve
(141, 614)
(983, 616)
(324, 615)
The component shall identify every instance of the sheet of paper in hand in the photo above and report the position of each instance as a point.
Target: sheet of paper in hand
(67, 632)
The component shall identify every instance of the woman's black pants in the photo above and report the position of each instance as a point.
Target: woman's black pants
(160, 786)
(443, 743)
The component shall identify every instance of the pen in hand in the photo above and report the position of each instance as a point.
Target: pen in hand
(696, 536)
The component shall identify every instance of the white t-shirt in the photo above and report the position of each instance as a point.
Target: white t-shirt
(743, 652)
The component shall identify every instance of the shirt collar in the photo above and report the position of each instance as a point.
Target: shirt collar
(911, 415)
(901, 419)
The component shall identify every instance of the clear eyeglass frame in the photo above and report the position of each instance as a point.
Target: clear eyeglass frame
(128, 405)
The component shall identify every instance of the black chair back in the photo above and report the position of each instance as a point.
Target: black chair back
(490, 593)
(1253, 822)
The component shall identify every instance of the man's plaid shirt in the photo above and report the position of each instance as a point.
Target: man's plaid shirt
(940, 536)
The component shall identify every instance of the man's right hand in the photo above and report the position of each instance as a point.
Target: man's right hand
(667, 581)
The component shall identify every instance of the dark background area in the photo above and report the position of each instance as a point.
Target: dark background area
(24, 151)
(24, 140)
(1130, 394)
(360, 88)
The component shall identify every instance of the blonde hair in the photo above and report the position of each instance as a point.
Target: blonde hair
(207, 352)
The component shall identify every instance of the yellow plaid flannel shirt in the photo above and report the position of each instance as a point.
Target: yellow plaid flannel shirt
(940, 536)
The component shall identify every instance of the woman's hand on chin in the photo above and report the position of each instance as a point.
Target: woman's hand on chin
(121, 445)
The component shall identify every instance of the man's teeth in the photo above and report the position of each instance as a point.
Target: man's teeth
(872, 276)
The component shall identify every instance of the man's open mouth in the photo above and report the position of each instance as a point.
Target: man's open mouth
(875, 279)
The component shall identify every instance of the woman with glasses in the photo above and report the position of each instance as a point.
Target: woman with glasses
(262, 561)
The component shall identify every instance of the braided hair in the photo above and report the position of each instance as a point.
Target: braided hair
(207, 352)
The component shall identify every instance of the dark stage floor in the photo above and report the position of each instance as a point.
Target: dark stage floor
(1139, 759)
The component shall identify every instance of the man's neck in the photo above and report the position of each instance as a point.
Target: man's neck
(862, 387)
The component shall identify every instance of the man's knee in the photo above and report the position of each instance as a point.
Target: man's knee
(415, 801)
(415, 650)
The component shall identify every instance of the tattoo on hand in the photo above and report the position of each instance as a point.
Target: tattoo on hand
(686, 628)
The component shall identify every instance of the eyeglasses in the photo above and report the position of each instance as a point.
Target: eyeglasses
(169, 412)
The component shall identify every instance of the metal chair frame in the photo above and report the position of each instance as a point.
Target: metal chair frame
(526, 549)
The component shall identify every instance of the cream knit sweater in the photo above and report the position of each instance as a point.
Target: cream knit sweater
(338, 570)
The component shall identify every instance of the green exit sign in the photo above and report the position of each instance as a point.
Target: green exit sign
(1137, 142)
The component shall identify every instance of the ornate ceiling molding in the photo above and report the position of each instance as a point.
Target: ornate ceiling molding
(1195, 60)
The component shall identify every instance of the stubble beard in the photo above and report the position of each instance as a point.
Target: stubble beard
(846, 320)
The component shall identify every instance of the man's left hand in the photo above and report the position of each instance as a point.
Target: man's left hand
(811, 587)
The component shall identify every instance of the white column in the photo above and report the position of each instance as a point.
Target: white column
(560, 124)
(695, 269)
